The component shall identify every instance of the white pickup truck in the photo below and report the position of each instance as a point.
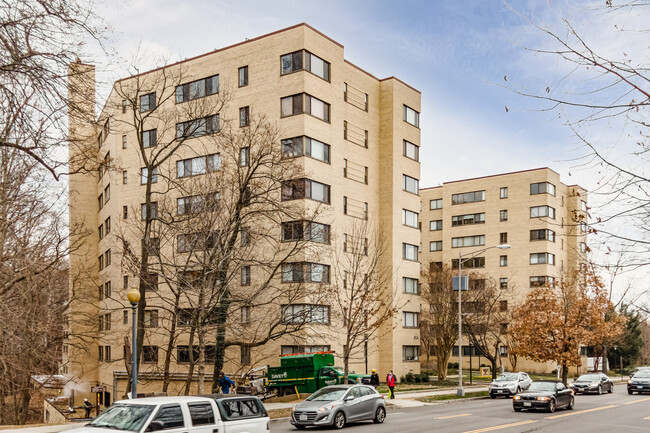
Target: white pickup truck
(232, 414)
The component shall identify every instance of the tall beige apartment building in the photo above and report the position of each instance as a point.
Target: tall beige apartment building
(361, 165)
(542, 219)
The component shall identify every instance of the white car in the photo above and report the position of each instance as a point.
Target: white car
(232, 414)
(508, 384)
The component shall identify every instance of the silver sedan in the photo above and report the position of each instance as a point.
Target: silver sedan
(338, 405)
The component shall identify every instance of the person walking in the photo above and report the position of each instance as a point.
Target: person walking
(87, 407)
(374, 378)
(225, 383)
(390, 382)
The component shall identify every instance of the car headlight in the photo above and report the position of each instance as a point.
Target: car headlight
(543, 398)
(517, 397)
(571, 385)
(593, 384)
(327, 408)
(629, 381)
(293, 409)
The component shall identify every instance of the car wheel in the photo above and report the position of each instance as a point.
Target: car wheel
(492, 396)
(611, 389)
(300, 427)
(380, 415)
(551, 406)
(571, 403)
(629, 391)
(339, 420)
(517, 409)
(600, 389)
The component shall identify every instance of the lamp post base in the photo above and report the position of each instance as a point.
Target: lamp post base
(460, 392)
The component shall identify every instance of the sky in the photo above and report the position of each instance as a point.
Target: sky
(461, 54)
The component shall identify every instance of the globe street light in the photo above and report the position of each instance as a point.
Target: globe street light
(134, 298)
(461, 392)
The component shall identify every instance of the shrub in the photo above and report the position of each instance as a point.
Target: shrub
(453, 365)
(424, 377)
(402, 379)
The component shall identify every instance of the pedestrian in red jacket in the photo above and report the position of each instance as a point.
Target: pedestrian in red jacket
(390, 382)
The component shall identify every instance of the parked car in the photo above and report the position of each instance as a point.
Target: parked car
(508, 384)
(592, 382)
(637, 369)
(544, 394)
(337, 405)
(227, 414)
(640, 382)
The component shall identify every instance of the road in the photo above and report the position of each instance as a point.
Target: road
(617, 413)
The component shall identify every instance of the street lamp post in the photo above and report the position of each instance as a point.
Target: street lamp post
(461, 392)
(134, 298)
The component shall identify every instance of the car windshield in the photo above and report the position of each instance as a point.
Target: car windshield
(589, 377)
(507, 377)
(542, 386)
(124, 417)
(341, 369)
(643, 374)
(327, 394)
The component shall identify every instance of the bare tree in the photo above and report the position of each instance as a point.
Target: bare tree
(438, 327)
(361, 303)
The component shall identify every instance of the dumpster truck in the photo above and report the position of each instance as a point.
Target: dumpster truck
(307, 372)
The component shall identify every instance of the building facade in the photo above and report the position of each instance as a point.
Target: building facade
(359, 140)
(542, 219)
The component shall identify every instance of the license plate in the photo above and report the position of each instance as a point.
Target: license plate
(303, 417)
(640, 386)
(500, 391)
(527, 404)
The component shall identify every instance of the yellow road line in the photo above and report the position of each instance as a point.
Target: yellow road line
(647, 417)
(502, 426)
(578, 412)
(453, 416)
(637, 401)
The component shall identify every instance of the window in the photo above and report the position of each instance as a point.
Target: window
(201, 413)
(245, 354)
(304, 103)
(410, 252)
(542, 188)
(583, 247)
(583, 227)
(410, 353)
(503, 238)
(195, 242)
(144, 174)
(503, 283)
(153, 211)
(107, 258)
(503, 192)
(107, 290)
(183, 353)
(105, 353)
(293, 62)
(305, 272)
(245, 314)
(149, 138)
(475, 262)
(124, 142)
(435, 246)
(125, 282)
(148, 102)
(463, 220)
(198, 165)
(244, 237)
(151, 318)
(125, 212)
(542, 235)
(124, 177)
(246, 275)
(152, 246)
(123, 105)
(244, 116)
(197, 89)
(503, 215)
(411, 151)
(292, 147)
(503, 261)
(100, 230)
(539, 281)
(307, 313)
(411, 116)
(410, 285)
(468, 241)
(198, 127)
(100, 260)
(435, 225)
(305, 230)
(288, 350)
(409, 320)
(305, 188)
(107, 225)
(243, 76)
(542, 258)
(435, 204)
(409, 218)
(317, 150)
(542, 211)
(171, 416)
(468, 197)
(410, 184)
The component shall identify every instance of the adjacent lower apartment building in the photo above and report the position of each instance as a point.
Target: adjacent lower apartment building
(171, 143)
(543, 220)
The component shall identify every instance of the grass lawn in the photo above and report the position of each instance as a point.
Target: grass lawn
(432, 398)
(279, 413)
